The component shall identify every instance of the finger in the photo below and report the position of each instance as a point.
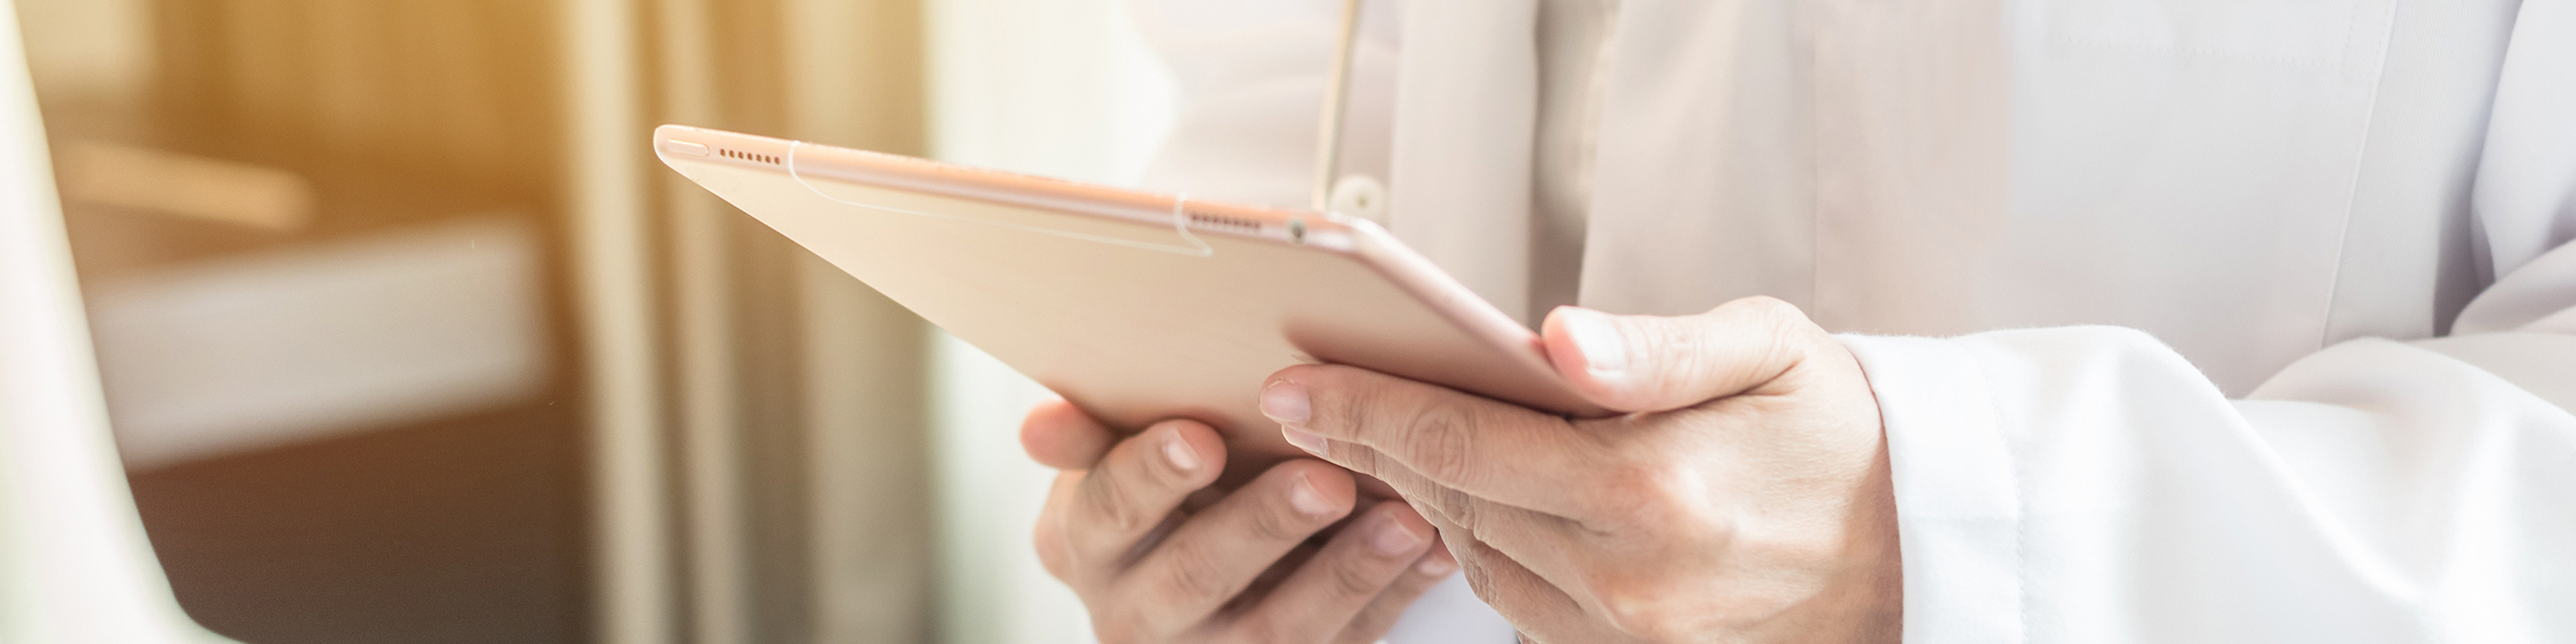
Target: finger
(1055, 549)
(1471, 444)
(1518, 481)
(1213, 556)
(1135, 487)
(1548, 544)
(1534, 606)
(1654, 363)
(1373, 623)
(1059, 435)
(1529, 600)
(1361, 562)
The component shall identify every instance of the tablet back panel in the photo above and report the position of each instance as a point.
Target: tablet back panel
(1098, 294)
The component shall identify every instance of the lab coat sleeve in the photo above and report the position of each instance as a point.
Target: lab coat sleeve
(2088, 484)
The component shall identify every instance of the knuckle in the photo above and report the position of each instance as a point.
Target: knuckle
(1781, 319)
(1662, 605)
(1280, 522)
(1437, 437)
(1764, 307)
(1755, 338)
(1053, 552)
(1439, 504)
(1379, 617)
(1103, 500)
(1461, 510)
(1122, 628)
(1194, 572)
(1351, 408)
(1270, 629)
(1784, 322)
(1692, 354)
(1352, 577)
(1637, 608)
(1642, 492)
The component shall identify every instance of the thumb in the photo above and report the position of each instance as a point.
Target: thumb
(1059, 435)
(1644, 363)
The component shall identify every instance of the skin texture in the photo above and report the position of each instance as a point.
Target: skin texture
(1745, 498)
(1137, 526)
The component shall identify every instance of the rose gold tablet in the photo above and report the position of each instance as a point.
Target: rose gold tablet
(1134, 306)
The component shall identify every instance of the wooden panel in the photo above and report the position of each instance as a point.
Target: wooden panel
(461, 87)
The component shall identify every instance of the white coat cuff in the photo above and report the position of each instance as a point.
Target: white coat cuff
(1958, 497)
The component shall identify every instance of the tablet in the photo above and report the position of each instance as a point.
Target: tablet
(1135, 306)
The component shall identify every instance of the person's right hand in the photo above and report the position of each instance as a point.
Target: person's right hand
(1159, 556)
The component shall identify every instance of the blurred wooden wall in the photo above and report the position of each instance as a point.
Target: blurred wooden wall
(467, 526)
(467, 88)
(783, 493)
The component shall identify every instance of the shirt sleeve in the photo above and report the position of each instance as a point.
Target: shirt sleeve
(2088, 483)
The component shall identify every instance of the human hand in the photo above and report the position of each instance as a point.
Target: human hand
(1746, 498)
(1158, 555)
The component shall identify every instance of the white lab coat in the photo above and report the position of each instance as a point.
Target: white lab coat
(2190, 320)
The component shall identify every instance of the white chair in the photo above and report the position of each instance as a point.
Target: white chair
(74, 566)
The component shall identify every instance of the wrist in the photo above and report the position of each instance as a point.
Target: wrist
(1861, 599)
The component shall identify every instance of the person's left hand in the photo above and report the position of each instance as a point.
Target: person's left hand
(1746, 498)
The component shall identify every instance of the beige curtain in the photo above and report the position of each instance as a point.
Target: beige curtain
(781, 398)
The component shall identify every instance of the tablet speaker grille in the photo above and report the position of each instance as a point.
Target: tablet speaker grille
(747, 156)
(1238, 224)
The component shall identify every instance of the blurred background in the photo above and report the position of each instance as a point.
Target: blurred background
(406, 338)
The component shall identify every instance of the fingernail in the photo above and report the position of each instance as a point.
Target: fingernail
(1303, 496)
(1395, 538)
(1285, 402)
(1312, 442)
(1605, 352)
(1436, 565)
(1178, 451)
